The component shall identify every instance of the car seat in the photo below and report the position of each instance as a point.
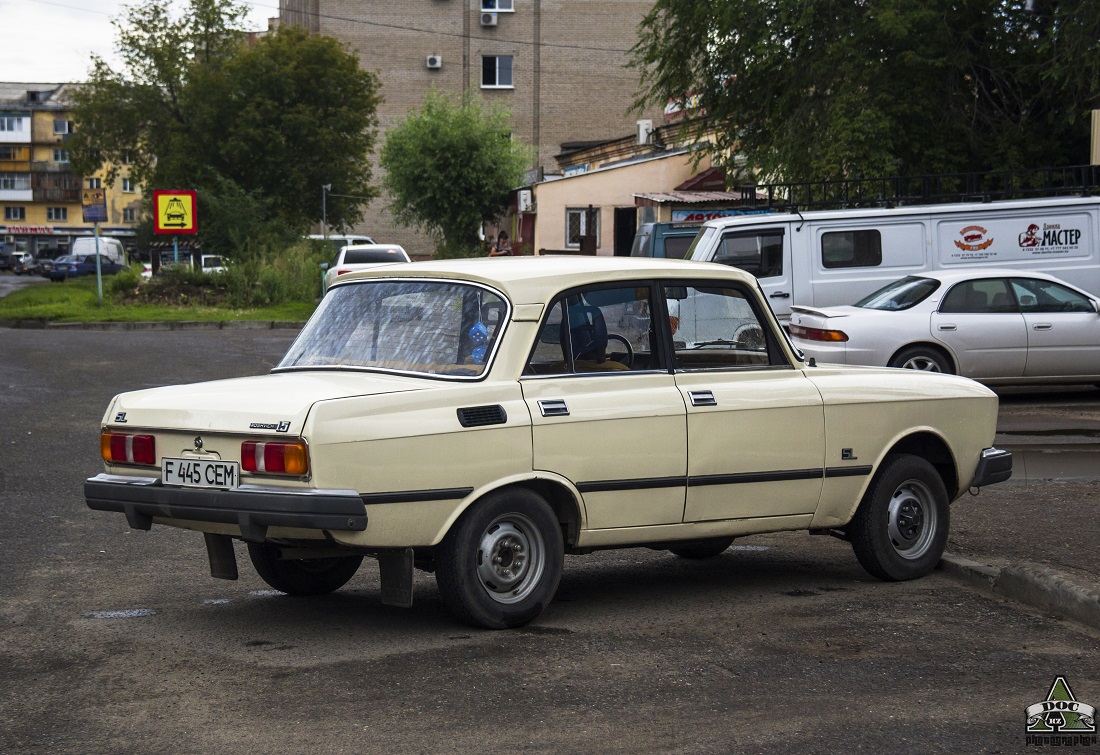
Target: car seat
(585, 332)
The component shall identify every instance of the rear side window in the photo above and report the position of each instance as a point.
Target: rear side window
(841, 249)
(759, 253)
(986, 296)
(676, 247)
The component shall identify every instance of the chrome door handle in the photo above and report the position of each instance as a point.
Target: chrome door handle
(948, 326)
(1042, 326)
(779, 295)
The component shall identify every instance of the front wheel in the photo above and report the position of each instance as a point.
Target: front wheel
(924, 358)
(500, 564)
(312, 576)
(900, 529)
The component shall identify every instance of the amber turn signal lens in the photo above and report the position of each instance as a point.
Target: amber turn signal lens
(275, 457)
(816, 334)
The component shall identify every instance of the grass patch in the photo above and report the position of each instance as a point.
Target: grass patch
(75, 301)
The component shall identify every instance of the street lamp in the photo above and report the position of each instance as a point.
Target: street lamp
(325, 189)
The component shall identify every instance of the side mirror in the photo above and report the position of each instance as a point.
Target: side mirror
(323, 266)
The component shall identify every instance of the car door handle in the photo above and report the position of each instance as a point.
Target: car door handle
(1042, 326)
(702, 398)
(779, 295)
(554, 407)
(947, 326)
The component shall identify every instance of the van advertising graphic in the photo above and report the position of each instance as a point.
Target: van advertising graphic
(1013, 239)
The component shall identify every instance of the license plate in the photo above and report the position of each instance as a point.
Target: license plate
(201, 473)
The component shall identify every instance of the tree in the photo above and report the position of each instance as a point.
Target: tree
(817, 90)
(255, 129)
(449, 167)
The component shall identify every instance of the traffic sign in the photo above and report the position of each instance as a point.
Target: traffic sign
(174, 212)
(93, 205)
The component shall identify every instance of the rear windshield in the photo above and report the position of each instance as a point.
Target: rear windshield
(901, 294)
(360, 256)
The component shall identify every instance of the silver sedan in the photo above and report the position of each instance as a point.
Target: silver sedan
(995, 326)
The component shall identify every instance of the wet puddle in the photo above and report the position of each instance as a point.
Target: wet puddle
(1071, 461)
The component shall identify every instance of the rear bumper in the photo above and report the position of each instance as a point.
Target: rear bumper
(253, 508)
(994, 466)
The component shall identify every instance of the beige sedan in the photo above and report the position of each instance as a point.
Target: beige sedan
(482, 418)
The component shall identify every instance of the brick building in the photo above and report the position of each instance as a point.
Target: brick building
(559, 66)
(40, 208)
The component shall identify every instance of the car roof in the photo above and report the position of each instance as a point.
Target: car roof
(530, 280)
(971, 273)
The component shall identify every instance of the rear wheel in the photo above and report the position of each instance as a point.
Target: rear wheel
(925, 358)
(900, 529)
(307, 576)
(501, 562)
(698, 549)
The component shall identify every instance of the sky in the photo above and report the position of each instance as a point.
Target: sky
(52, 41)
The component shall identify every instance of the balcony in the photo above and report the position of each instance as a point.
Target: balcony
(15, 166)
(56, 195)
(44, 166)
(19, 195)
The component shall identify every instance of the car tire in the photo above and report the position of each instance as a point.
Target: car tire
(924, 358)
(314, 576)
(699, 549)
(500, 564)
(900, 529)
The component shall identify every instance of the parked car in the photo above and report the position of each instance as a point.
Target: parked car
(74, 266)
(362, 256)
(482, 418)
(996, 326)
(23, 263)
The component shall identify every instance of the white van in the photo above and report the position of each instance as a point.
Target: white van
(829, 257)
(108, 247)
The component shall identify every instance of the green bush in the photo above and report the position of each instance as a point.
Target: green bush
(125, 282)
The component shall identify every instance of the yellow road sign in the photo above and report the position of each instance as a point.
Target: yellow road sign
(174, 212)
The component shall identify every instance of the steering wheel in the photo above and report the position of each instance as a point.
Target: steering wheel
(629, 361)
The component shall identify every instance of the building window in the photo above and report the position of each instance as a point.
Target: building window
(581, 222)
(496, 72)
(11, 123)
(95, 183)
(129, 214)
(15, 181)
(127, 159)
(497, 5)
(15, 213)
(9, 153)
(61, 155)
(128, 185)
(57, 213)
(62, 126)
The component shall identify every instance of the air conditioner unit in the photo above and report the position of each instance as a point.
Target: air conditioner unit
(488, 19)
(645, 131)
(435, 61)
(523, 201)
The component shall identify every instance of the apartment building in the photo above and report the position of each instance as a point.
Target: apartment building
(40, 208)
(559, 66)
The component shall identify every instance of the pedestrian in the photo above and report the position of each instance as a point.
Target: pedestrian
(501, 248)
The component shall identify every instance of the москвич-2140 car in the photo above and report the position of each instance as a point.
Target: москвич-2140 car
(482, 418)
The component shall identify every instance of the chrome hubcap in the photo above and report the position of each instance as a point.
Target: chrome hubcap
(510, 558)
(912, 519)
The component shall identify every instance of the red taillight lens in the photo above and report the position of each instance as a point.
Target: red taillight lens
(120, 448)
(341, 272)
(816, 334)
(275, 457)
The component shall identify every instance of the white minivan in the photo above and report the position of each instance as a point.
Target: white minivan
(108, 247)
(830, 257)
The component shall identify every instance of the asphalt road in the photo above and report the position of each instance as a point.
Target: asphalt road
(114, 640)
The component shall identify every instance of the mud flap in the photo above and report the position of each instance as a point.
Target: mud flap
(223, 561)
(396, 570)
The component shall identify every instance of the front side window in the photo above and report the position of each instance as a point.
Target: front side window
(57, 213)
(427, 328)
(596, 330)
(15, 213)
(759, 253)
(581, 222)
(717, 328)
(61, 155)
(851, 249)
(1036, 295)
(496, 72)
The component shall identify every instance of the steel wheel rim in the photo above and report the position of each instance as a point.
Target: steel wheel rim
(511, 557)
(922, 362)
(912, 519)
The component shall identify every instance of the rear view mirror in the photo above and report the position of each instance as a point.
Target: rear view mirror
(323, 266)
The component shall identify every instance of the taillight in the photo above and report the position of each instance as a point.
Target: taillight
(341, 272)
(120, 448)
(275, 457)
(816, 334)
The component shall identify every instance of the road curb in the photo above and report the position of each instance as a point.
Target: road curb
(160, 325)
(1032, 584)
